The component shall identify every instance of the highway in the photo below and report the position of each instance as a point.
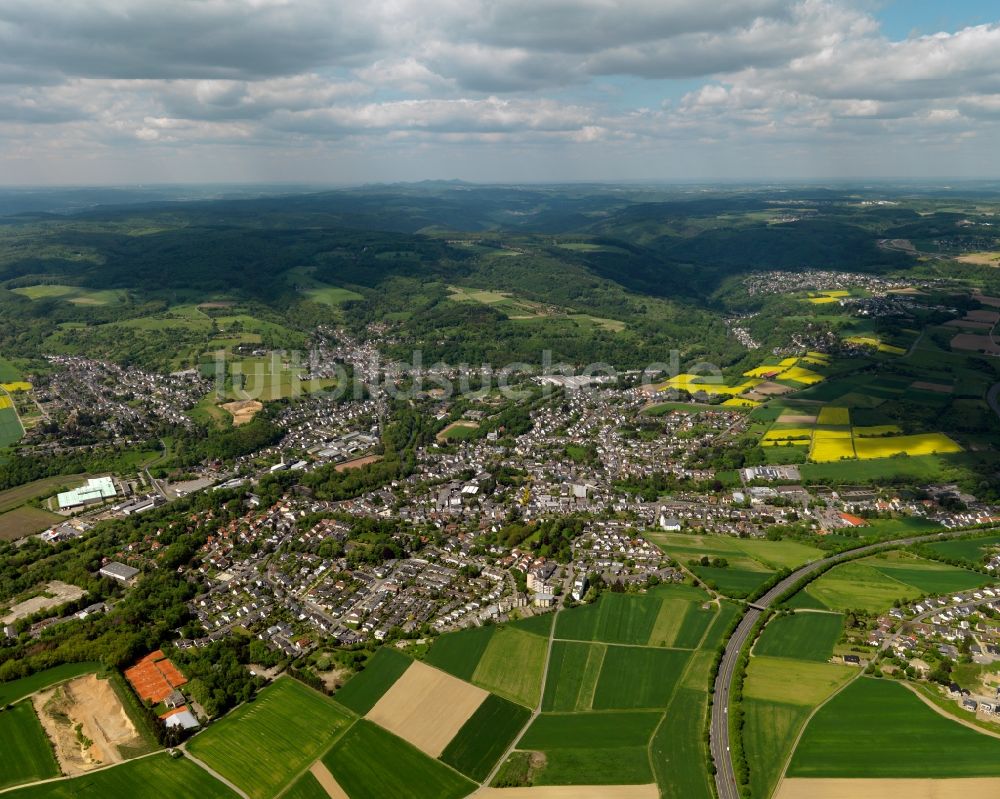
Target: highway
(725, 777)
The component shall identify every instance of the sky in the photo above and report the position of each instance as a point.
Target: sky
(112, 92)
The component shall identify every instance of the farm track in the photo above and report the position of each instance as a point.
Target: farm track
(719, 732)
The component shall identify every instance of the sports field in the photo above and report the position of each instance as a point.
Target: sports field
(145, 778)
(263, 745)
(878, 728)
(27, 753)
(485, 737)
(805, 636)
(370, 763)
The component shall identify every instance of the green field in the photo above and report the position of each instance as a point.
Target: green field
(806, 636)
(971, 550)
(9, 373)
(771, 555)
(512, 666)
(769, 734)
(732, 582)
(370, 763)
(668, 616)
(364, 689)
(593, 748)
(797, 682)
(306, 787)
(24, 521)
(678, 749)
(459, 653)
(874, 583)
(877, 728)
(484, 738)
(74, 294)
(27, 753)
(263, 745)
(635, 677)
(728, 613)
(18, 689)
(10, 426)
(146, 778)
(574, 669)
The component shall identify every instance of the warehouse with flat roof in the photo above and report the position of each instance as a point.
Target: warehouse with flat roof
(96, 489)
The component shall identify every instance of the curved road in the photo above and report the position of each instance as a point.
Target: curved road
(725, 777)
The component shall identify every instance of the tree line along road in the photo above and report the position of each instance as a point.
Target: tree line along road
(719, 740)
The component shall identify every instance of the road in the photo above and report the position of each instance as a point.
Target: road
(725, 776)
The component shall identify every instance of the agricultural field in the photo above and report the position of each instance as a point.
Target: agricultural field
(155, 776)
(306, 787)
(678, 748)
(10, 426)
(873, 584)
(770, 555)
(902, 738)
(27, 753)
(18, 689)
(973, 551)
(574, 669)
(593, 748)
(636, 677)
(522, 684)
(359, 760)
(74, 294)
(24, 521)
(804, 636)
(381, 672)
(797, 682)
(457, 653)
(769, 734)
(263, 745)
(484, 738)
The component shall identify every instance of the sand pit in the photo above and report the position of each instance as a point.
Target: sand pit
(427, 707)
(972, 788)
(573, 792)
(792, 418)
(326, 779)
(243, 411)
(86, 723)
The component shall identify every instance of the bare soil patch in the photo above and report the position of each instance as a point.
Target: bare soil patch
(792, 418)
(973, 343)
(326, 779)
(968, 324)
(243, 411)
(357, 463)
(53, 594)
(573, 792)
(427, 707)
(993, 302)
(941, 388)
(966, 788)
(980, 258)
(990, 317)
(769, 389)
(86, 723)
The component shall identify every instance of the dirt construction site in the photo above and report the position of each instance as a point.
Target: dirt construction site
(86, 723)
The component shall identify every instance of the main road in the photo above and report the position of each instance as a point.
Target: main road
(725, 776)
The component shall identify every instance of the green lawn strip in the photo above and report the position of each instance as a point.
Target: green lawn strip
(371, 763)
(678, 751)
(877, 728)
(806, 636)
(459, 653)
(27, 753)
(155, 776)
(633, 677)
(17, 689)
(264, 745)
(365, 688)
(513, 665)
(483, 739)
